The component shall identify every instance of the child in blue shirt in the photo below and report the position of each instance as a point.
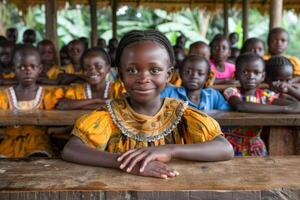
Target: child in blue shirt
(194, 73)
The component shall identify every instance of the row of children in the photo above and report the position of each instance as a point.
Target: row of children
(145, 116)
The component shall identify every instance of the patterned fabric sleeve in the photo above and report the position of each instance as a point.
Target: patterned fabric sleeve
(94, 129)
(117, 89)
(296, 64)
(199, 127)
(230, 92)
(52, 96)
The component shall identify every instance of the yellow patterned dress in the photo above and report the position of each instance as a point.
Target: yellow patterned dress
(81, 91)
(176, 80)
(53, 72)
(8, 75)
(118, 128)
(26, 140)
(69, 69)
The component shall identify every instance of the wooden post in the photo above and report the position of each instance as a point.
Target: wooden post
(276, 7)
(225, 8)
(51, 21)
(93, 10)
(245, 19)
(114, 6)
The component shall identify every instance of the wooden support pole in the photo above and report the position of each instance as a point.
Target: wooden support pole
(245, 19)
(114, 7)
(225, 8)
(51, 21)
(93, 10)
(276, 7)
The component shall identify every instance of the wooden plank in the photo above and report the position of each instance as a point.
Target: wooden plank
(245, 22)
(225, 15)
(93, 11)
(114, 8)
(68, 117)
(276, 7)
(282, 141)
(51, 21)
(237, 175)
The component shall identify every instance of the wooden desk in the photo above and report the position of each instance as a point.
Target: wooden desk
(284, 136)
(242, 178)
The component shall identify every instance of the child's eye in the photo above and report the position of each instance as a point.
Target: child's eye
(155, 70)
(132, 71)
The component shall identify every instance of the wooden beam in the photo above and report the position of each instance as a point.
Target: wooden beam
(276, 7)
(114, 7)
(225, 11)
(245, 19)
(51, 21)
(93, 10)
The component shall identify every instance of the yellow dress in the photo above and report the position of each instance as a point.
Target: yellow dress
(119, 128)
(81, 91)
(69, 69)
(23, 141)
(294, 60)
(8, 75)
(53, 72)
(176, 80)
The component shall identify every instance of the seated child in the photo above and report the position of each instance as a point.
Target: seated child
(200, 48)
(195, 72)
(179, 56)
(254, 45)
(7, 74)
(250, 72)
(63, 56)
(279, 76)
(220, 51)
(278, 40)
(93, 93)
(12, 35)
(143, 132)
(49, 62)
(27, 140)
(29, 37)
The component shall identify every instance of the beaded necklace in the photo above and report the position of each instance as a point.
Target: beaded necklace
(88, 90)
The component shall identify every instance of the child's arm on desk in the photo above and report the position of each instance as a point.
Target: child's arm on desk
(76, 151)
(215, 150)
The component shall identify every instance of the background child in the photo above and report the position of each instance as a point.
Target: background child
(200, 48)
(195, 72)
(93, 93)
(24, 141)
(249, 98)
(29, 37)
(63, 56)
(278, 40)
(139, 134)
(7, 74)
(179, 56)
(220, 51)
(279, 72)
(254, 45)
(12, 35)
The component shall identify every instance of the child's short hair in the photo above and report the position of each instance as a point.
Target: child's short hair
(275, 64)
(147, 35)
(246, 58)
(25, 50)
(96, 51)
(275, 31)
(193, 45)
(191, 58)
(248, 43)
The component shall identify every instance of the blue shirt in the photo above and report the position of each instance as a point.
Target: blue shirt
(210, 99)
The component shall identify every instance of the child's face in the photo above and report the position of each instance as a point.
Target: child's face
(95, 69)
(75, 50)
(27, 69)
(258, 48)
(283, 75)
(278, 43)
(220, 50)
(201, 50)
(145, 70)
(29, 38)
(194, 75)
(12, 35)
(47, 54)
(5, 56)
(251, 74)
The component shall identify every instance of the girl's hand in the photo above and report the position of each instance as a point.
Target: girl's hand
(132, 157)
(281, 86)
(155, 169)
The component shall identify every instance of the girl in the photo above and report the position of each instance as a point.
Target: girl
(24, 141)
(278, 40)
(91, 95)
(249, 98)
(7, 74)
(139, 134)
(254, 45)
(195, 73)
(49, 62)
(179, 56)
(220, 51)
(279, 76)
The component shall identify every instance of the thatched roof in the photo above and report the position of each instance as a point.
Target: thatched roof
(169, 5)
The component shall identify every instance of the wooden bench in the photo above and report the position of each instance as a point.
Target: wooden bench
(248, 178)
(284, 138)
